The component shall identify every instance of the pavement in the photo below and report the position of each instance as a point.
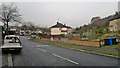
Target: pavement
(0, 51)
(0, 58)
(36, 54)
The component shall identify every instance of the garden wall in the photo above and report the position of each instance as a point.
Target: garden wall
(84, 43)
(76, 42)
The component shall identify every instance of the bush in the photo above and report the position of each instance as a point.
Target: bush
(62, 35)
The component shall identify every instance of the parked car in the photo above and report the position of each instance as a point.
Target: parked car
(34, 35)
(11, 43)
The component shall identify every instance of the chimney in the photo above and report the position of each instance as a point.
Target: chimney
(64, 24)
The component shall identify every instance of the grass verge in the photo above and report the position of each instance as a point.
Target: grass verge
(112, 47)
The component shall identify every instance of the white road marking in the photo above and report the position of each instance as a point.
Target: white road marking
(41, 45)
(65, 59)
(82, 50)
(10, 62)
(43, 50)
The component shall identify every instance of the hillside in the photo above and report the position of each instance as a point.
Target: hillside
(97, 27)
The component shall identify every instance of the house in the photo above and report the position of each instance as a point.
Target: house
(38, 31)
(114, 24)
(59, 29)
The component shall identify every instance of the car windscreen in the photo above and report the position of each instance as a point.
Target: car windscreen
(11, 38)
(14, 39)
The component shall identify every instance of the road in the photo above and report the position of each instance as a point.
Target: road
(36, 54)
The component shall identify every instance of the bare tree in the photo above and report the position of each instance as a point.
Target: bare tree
(9, 13)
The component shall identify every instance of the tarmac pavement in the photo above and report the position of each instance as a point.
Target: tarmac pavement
(0, 58)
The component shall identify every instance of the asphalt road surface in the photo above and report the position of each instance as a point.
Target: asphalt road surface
(36, 54)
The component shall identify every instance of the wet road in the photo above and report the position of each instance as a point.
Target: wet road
(36, 54)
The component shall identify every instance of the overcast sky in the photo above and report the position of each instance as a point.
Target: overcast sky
(74, 14)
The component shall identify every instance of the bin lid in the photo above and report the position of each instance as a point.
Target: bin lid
(110, 38)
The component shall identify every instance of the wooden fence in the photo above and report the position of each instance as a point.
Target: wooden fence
(85, 43)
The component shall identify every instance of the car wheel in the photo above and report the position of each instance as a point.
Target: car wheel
(19, 51)
(3, 51)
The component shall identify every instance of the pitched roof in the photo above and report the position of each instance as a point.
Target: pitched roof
(115, 17)
(59, 25)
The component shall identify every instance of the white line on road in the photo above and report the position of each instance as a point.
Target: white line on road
(10, 62)
(65, 59)
(41, 46)
(42, 50)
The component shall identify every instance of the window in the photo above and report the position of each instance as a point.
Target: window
(60, 28)
(11, 37)
(111, 25)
